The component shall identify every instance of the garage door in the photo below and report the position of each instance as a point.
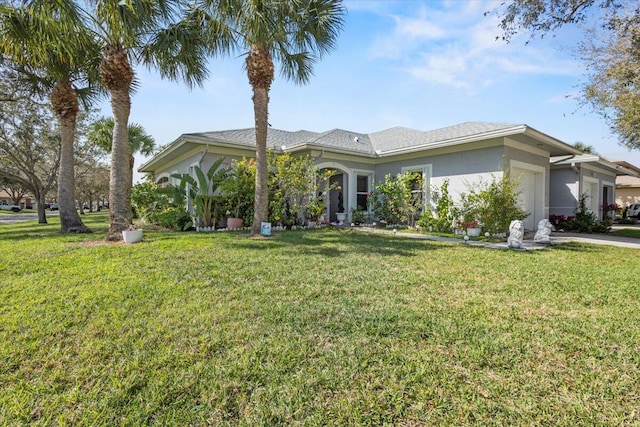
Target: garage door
(529, 188)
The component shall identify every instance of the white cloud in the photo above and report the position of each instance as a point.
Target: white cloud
(455, 44)
(418, 29)
(408, 35)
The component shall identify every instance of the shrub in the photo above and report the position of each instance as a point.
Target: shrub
(158, 206)
(173, 217)
(445, 211)
(393, 200)
(238, 190)
(494, 205)
(294, 184)
(586, 221)
(358, 216)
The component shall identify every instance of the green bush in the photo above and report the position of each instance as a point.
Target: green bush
(586, 221)
(358, 216)
(296, 185)
(494, 205)
(160, 206)
(393, 200)
(238, 190)
(173, 217)
(445, 211)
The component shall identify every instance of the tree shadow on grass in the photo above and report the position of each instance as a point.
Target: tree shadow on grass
(336, 243)
(578, 247)
(28, 231)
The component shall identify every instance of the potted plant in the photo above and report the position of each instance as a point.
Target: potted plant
(472, 227)
(341, 215)
(131, 234)
(239, 189)
(315, 209)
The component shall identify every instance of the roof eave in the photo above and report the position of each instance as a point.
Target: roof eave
(145, 167)
(554, 142)
(312, 146)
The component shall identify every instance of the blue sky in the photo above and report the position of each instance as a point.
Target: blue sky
(418, 64)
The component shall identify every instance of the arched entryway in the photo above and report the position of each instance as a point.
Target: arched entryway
(339, 194)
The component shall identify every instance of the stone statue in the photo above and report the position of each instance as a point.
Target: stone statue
(543, 235)
(516, 234)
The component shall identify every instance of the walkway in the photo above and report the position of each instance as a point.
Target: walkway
(556, 238)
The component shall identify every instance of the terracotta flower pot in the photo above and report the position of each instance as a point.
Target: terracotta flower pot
(234, 223)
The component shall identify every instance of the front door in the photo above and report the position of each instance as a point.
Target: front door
(335, 195)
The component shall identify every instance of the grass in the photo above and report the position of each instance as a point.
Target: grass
(627, 232)
(313, 328)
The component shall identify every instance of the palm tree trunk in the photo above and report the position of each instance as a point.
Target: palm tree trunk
(260, 73)
(120, 176)
(65, 104)
(116, 74)
(261, 203)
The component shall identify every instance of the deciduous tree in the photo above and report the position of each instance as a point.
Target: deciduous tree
(610, 50)
(29, 148)
(53, 51)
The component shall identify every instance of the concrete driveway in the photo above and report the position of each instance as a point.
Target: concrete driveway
(600, 239)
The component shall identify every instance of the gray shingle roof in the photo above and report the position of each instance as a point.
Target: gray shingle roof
(386, 140)
(395, 138)
(275, 137)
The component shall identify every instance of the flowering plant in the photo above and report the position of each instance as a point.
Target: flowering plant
(131, 227)
(471, 224)
(315, 208)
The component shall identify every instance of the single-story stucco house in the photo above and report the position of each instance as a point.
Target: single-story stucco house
(628, 186)
(464, 154)
(587, 174)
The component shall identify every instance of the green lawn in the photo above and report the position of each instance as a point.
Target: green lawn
(313, 328)
(627, 232)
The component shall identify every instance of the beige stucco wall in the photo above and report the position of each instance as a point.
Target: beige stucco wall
(627, 190)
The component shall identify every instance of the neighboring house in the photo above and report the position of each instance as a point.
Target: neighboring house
(24, 202)
(464, 154)
(587, 174)
(627, 186)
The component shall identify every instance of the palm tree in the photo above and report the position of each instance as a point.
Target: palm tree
(145, 31)
(296, 33)
(53, 52)
(101, 135)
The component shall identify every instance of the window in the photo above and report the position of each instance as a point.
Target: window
(163, 182)
(362, 192)
(417, 191)
(420, 185)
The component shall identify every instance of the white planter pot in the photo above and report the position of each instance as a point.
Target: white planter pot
(132, 236)
(341, 217)
(473, 232)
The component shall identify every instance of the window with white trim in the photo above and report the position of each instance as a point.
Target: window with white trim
(363, 183)
(163, 182)
(420, 185)
(417, 191)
